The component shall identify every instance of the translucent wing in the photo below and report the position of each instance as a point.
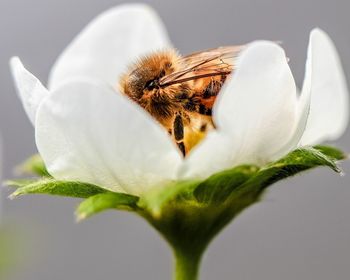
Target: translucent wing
(213, 62)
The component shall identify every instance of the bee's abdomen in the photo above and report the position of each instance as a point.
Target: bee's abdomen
(205, 95)
(205, 110)
(213, 87)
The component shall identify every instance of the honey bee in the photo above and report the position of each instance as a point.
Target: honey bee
(179, 91)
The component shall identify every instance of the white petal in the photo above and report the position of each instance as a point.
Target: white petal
(86, 131)
(255, 113)
(303, 107)
(29, 88)
(329, 107)
(258, 107)
(215, 153)
(109, 43)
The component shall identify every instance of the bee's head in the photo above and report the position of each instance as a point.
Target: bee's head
(141, 82)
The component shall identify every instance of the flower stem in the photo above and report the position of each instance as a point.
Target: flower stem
(186, 265)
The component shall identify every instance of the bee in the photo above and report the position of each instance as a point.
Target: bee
(180, 91)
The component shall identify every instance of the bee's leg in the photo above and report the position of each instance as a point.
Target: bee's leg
(178, 128)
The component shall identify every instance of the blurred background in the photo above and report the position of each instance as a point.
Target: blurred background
(301, 230)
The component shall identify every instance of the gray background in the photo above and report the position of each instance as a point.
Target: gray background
(300, 231)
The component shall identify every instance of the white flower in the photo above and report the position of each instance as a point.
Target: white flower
(85, 130)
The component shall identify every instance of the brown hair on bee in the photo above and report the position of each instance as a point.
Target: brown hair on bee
(141, 84)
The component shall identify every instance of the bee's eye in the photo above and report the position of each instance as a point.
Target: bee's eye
(150, 85)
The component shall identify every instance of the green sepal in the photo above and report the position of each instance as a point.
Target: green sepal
(34, 165)
(195, 212)
(154, 200)
(19, 183)
(216, 189)
(332, 152)
(104, 201)
(56, 187)
(219, 187)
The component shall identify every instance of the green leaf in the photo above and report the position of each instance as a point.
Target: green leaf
(34, 166)
(218, 187)
(19, 183)
(331, 152)
(104, 201)
(295, 162)
(58, 187)
(180, 190)
(306, 158)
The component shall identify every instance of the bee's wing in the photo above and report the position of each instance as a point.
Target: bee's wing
(213, 62)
